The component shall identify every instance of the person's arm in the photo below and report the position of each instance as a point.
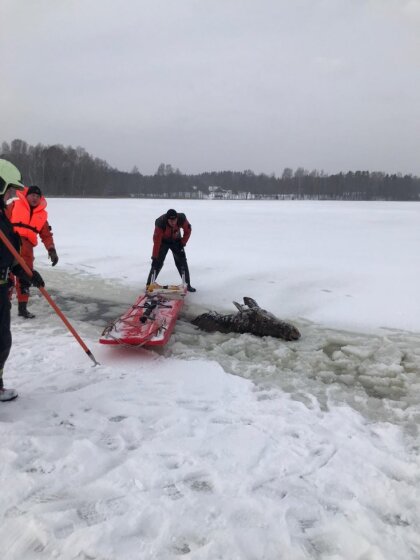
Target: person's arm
(157, 240)
(47, 239)
(34, 280)
(186, 227)
(46, 236)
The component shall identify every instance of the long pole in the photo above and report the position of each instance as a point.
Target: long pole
(47, 296)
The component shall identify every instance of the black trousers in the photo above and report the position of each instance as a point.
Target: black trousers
(5, 334)
(180, 259)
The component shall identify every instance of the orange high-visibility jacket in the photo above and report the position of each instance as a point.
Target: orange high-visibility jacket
(30, 222)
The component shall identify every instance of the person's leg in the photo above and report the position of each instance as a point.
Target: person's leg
(181, 263)
(22, 290)
(27, 254)
(11, 284)
(5, 340)
(23, 293)
(161, 259)
(22, 287)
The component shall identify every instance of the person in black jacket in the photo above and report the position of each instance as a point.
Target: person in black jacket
(167, 236)
(10, 178)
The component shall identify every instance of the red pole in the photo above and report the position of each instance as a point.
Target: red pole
(47, 296)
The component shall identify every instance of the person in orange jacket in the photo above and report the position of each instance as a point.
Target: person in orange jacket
(28, 216)
(167, 236)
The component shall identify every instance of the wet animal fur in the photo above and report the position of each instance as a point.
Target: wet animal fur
(249, 319)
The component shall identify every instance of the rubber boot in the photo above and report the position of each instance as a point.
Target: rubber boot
(6, 394)
(23, 311)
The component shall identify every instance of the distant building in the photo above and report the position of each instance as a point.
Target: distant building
(218, 193)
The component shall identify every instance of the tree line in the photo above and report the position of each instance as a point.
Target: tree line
(73, 172)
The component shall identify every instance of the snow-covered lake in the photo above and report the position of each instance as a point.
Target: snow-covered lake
(221, 446)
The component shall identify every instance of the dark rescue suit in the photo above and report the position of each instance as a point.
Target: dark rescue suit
(6, 262)
(167, 237)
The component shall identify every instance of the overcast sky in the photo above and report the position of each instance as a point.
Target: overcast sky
(332, 85)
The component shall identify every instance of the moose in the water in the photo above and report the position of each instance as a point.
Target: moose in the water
(251, 318)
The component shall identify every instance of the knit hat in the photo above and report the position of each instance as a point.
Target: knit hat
(171, 213)
(33, 189)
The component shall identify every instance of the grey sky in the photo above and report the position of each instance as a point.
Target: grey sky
(216, 84)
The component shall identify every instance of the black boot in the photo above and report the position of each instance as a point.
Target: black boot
(23, 311)
(185, 275)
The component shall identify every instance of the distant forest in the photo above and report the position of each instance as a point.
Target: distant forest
(72, 172)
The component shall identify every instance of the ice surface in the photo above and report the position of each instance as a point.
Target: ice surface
(221, 446)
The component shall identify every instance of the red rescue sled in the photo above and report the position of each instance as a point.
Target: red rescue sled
(150, 321)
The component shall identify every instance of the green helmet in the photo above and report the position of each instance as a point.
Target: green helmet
(9, 176)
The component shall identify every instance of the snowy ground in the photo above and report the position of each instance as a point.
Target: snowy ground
(308, 451)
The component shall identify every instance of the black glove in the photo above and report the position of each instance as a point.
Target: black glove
(180, 246)
(52, 253)
(37, 280)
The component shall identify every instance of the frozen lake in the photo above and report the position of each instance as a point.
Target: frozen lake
(309, 450)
